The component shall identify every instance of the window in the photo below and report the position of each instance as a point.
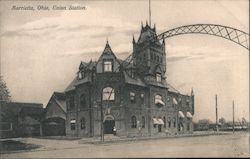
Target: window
(133, 121)
(132, 97)
(80, 75)
(72, 102)
(108, 93)
(158, 77)
(158, 100)
(164, 120)
(188, 126)
(72, 124)
(82, 102)
(174, 123)
(142, 98)
(83, 123)
(169, 122)
(108, 67)
(155, 122)
(143, 122)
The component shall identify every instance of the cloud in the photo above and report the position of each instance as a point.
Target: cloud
(176, 58)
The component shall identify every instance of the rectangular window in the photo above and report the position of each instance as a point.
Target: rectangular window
(188, 127)
(158, 77)
(108, 66)
(73, 124)
(132, 97)
(142, 98)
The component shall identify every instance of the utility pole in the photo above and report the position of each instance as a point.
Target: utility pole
(233, 116)
(216, 111)
(150, 13)
(102, 133)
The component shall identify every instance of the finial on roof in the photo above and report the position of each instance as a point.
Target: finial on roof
(192, 92)
(107, 41)
(133, 39)
(141, 24)
(146, 22)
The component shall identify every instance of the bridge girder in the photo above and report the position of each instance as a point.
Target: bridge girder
(229, 33)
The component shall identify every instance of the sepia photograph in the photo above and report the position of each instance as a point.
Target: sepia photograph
(124, 78)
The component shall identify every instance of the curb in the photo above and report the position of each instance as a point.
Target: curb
(148, 138)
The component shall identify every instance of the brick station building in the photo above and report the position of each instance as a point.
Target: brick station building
(135, 97)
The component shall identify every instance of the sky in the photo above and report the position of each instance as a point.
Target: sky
(41, 50)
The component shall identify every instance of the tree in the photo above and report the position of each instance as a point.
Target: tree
(4, 91)
(222, 121)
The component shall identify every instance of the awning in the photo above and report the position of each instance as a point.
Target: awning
(155, 121)
(181, 115)
(189, 115)
(160, 122)
(73, 121)
(160, 102)
(175, 101)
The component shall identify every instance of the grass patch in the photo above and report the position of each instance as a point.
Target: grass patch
(12, 145)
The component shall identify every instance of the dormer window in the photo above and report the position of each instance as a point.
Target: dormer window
(80, 75)
(158, 77)
(108, 66)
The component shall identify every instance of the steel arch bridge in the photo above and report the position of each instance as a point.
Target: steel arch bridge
(235, 35)
(229, 33)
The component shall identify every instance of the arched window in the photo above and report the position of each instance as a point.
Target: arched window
(169, 122)
(143, 122)
(134, 122)
(164, 120)
(83, 123)
(174, 122)
(108, 93)
(82, 102)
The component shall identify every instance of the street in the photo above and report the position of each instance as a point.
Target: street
(233, 145)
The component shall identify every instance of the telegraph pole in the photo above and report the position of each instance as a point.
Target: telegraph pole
(233, 116)
(102, 134)
(150, 13)
(216, 111)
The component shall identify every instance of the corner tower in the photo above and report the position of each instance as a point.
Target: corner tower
(149, 53)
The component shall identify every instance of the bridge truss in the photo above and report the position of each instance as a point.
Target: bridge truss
(229, 33)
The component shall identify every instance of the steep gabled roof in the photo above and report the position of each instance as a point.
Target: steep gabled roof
(172, 89)
(134, 81)
(60, 99)
(71, 86)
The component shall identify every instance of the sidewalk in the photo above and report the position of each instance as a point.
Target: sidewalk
(114, 139)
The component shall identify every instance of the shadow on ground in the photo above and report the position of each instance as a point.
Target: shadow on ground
(12, 145)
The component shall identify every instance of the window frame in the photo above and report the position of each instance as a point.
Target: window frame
(108, 95)
(133, 122)
(158, 77)
(107, 67)
(143, 122)
(132, 97)
(73, 124)
(83, 123)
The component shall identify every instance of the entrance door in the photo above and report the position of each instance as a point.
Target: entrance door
(108, 126)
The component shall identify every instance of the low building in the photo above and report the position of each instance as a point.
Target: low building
(20, 119)
(55, 115)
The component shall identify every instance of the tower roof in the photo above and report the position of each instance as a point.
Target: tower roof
(146, 33)
(107, 49)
